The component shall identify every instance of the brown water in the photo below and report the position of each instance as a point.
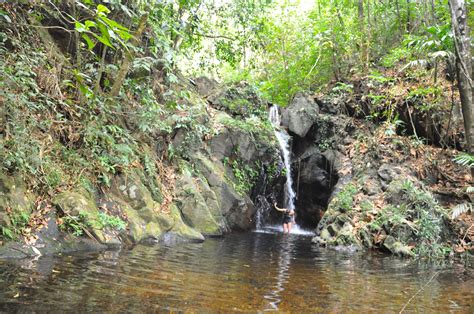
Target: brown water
(242, 272)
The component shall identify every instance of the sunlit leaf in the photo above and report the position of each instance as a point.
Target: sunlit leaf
(89, 41)
(113, 24)
(5, 16)
(101, 9)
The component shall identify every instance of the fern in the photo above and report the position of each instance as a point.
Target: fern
(461, 209)
(420, 63)
(465, 159)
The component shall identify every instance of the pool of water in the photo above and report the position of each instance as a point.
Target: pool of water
(241, 272)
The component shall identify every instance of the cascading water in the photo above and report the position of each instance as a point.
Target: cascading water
(283, 141)
(265, 208)
(263, 211)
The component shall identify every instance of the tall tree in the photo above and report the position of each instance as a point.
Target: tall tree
(363, 36)
(464, 68)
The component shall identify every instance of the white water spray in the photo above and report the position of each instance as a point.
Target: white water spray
(283, 141)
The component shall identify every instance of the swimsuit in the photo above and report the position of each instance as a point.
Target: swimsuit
(287, 218)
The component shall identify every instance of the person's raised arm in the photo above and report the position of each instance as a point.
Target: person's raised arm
(279, 209)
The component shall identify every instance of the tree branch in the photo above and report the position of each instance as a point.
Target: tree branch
(215, 36)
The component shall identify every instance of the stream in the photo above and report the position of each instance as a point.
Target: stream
(241, 272)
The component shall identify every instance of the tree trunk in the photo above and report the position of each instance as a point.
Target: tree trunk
(399, 18)
(363, 37)
(464, 69)
(408, 30)
(127, 60)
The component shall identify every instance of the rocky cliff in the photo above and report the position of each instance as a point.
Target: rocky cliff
(197, 182)
(365, 187)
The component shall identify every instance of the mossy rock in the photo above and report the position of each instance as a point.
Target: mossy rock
(79, 203)
(182, 230)
(14, 197)
(241, 99)
(131, 189)
(144, 223)
(76, 202)
(347, 236)
(365, 237)
(198, 205)
(237, 209)
(325, 235)
(150, 179)
(396, 247)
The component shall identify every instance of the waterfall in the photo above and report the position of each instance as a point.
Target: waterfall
(264, 207)
(283, 141)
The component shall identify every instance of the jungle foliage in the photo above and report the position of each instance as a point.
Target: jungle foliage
(87, 86)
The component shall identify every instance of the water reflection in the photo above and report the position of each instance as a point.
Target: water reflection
(284, 260)
(245, 272)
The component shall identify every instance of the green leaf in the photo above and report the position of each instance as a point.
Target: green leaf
(5, 16)
(81, 28)
(7, 233)
(464, 159)
(102, 9)
(113, 24)
(104, 40)
(90, 43)
(460, 209)
(89, 24)
(124, 35)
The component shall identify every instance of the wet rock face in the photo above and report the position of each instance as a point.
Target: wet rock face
(318, 140)
(316, 178)
(199, 206)
(215, 183)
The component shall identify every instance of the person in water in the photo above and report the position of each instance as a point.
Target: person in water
(288, 218)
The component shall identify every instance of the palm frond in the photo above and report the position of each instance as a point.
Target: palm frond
(465, 159)
(460, 209)
(421, 63)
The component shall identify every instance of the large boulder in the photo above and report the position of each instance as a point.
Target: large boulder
(237, 209)
(249, 139)
(205, 86)
(198, 205)
(78, 208)
(181, 232)
(300, 115)
(146, 220)
(131, 189)
(241, 99)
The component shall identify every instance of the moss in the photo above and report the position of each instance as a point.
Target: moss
(183, 230)
(198, 205)
(16, 204)
(261, 130)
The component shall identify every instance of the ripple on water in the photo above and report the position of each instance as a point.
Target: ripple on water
(246, 272)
